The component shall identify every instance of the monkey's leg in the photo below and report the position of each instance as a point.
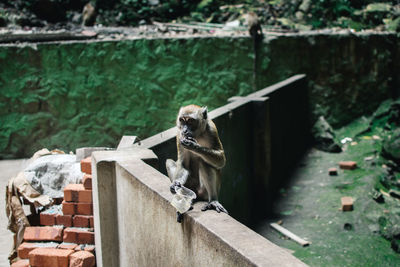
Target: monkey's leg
(210, 179)
(171, 168)
(177, 174)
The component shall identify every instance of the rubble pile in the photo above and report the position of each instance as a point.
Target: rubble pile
(65, 236)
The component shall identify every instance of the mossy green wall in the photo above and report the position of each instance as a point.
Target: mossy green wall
(90, 94)
(69, 95)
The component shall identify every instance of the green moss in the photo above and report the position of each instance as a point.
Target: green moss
(70, 95)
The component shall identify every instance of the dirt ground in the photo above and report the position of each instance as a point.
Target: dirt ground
(8, 169)
(310, 207)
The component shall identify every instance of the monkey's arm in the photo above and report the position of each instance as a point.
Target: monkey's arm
(214, 157)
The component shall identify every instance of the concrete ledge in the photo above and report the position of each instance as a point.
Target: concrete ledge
(145, 231)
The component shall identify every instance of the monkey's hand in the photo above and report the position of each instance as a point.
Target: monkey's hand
(214, 205)
(174, 186)
(189, 143)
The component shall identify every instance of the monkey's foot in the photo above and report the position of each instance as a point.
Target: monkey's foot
(214, 205)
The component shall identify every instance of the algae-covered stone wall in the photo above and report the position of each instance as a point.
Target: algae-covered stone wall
(69, 95)
(74, 94)
(349, 74)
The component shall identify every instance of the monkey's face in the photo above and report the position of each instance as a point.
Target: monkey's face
(192, 121)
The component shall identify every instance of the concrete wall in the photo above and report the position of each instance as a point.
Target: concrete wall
(74, 94)
(136, 225)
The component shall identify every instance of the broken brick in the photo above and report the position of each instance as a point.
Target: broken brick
(65, 245)
(26, 247)
(86, 165)
(82, 221)
(43, 233)
(82, 259)
(50, 257)
(347, 203)
(348, 165)
(21, 263)
(86, 247)
(87, 181)
(79, 235)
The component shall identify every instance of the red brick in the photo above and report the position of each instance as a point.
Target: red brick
(86, 165)
(43, 233)
(84, 208)
(82, 259)
(77, 193)
(71, 192)
(50, 257)
(91, 222)
(82, 221)
(65, 220)
(68, 208)
(347, 203)
(79, 235)
(72, 208)
(87, 181)
(26, 247)
(85, 196)
(65, 245)
(348, 165)
(47, 219)
(21, 263)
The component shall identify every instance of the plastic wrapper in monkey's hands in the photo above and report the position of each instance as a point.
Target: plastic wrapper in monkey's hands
(182, 201)
(175, 186)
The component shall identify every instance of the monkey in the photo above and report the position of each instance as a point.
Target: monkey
(200, 157)
(89, 14)
(253, 23)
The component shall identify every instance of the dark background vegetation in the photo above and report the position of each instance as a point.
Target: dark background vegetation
(293, 14)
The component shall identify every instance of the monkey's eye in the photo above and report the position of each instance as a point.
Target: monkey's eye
(191, 121)
(181, 120)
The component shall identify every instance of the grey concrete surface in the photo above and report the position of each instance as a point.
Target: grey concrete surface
(8, 168)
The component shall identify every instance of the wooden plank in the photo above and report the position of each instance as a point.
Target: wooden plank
(289, 234)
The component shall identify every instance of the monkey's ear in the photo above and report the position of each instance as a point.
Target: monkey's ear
(204, 111)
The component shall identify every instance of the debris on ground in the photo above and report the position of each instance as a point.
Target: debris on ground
(324, 136)
(332, 171)
(348, 165)
(347, 203)
(290, 235)
(52, 228)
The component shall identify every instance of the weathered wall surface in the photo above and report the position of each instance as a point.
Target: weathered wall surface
(135, 225)
(71, 95)
(90, 94)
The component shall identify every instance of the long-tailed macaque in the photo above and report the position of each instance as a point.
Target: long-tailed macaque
(253, 23)
(89, 14)
(200, 156)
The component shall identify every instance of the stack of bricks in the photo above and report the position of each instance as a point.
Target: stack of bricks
(66, 235)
